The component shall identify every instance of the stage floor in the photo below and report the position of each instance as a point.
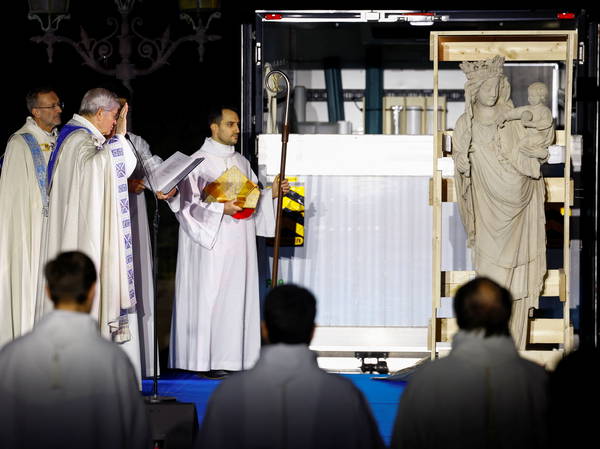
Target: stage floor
(382, 396)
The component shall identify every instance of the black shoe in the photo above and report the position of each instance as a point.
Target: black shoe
(215, 374)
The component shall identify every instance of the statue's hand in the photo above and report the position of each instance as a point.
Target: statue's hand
(462, 163)
(501, 119)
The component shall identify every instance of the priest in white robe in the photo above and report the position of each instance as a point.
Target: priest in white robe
(286, 400)
(89, 210)
(216, 313)
(63, 385)
(24, 210)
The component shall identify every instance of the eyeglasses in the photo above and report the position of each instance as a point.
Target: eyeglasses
(55, 105)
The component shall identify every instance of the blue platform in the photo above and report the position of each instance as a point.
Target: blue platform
(382, 396)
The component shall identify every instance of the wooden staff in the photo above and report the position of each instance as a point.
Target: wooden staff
(273, 84)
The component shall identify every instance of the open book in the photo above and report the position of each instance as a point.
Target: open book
(166, 175)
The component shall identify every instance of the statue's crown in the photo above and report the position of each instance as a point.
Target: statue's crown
(485, 69)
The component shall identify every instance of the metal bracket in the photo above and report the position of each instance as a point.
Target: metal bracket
(380, 366)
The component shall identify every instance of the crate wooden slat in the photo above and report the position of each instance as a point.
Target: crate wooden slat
(541, 330)
(535, 45)
(554, 282)
(555, 191)
(445, 329)
(546, 330)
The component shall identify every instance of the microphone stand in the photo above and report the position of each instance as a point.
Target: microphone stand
(155, 398)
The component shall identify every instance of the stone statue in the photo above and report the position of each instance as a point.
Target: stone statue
(497, 152)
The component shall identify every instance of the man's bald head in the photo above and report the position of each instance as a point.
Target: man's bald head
(483, 304)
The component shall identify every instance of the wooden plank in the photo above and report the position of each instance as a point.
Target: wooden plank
(554, 282)
(546, 330)
(571, 55)
(452, 280)
(436, 201)
(547, 359)
(555, 190)
(511, 50)
(560, 137)
(525, 45)
(541, 331)
(445, 329)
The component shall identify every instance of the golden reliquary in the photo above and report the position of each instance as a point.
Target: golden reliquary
(233, 185)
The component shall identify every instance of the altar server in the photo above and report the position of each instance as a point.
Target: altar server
(216, 316)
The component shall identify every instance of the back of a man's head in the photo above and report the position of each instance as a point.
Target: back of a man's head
(70, 277)
(482, 304)
(290, 314)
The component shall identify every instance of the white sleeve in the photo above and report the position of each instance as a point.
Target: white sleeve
(200, 220)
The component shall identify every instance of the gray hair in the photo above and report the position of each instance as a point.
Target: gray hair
(96, 99)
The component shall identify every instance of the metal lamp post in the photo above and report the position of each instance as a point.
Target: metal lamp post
(125, 33)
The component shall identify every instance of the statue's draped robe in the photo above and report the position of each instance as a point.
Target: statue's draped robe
(501, 202)
(21, 224)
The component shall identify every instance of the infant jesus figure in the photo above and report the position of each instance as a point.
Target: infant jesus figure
(537, 120)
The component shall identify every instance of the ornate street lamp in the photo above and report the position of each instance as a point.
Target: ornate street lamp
(95, 52)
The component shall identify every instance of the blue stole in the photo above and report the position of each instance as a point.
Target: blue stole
(64, 133)
(40, 169)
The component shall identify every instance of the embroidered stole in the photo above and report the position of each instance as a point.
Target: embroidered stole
(64, 133)
(122, 197)
(40, 169)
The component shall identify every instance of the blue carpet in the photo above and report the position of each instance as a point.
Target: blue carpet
(382, 396)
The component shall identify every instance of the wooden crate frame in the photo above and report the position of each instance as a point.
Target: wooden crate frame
(522, 45)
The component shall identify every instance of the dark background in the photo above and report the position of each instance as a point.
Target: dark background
(169, 107)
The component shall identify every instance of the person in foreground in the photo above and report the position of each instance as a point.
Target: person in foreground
(65, 386)
(483, 394)
(286, 400)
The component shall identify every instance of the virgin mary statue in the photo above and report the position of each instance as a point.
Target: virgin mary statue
(500, 191)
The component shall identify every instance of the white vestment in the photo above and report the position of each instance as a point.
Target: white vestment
(21, 223)
(482, 395)
(142, 256)
(87, 212)
(287, 401)
(216, 314)
(64, 386)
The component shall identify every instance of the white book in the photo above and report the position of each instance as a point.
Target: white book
(166, 175)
